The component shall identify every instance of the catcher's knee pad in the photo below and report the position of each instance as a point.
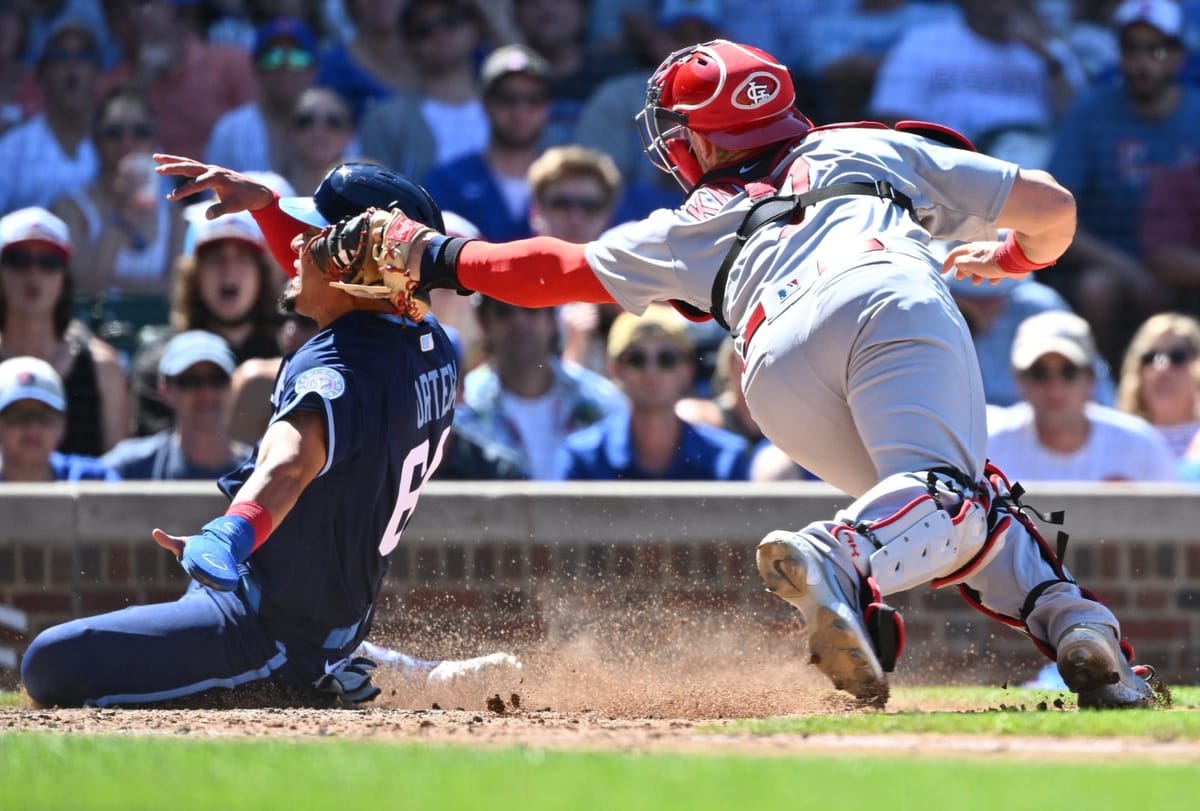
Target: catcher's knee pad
(917, 528)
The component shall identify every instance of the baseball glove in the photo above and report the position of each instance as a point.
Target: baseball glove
(367, 256)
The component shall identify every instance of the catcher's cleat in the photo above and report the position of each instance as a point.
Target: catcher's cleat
(838, 640)
(1094, 667)
(468, 682)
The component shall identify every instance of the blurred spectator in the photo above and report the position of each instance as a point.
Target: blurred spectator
(993, 312)
(1108, 146)
(651, 359)
(45, 17)
(254, 379)
(52, 153)
(557, 31)
(376, 62)
(525, 398)
(491, 188)
(990, 69)
(19, 99)
(320, 136)
(227, 285)
(194, 381)
(190, 83)
(1087, 30)
(443, 119)
(124, 231)
(467, 456)
(36, 305)
(1170, 233)
(32, 424)
(574, 191)
(1160, 378)
(1057, 434)
(846, 44)
(256, 135)
(779, 27)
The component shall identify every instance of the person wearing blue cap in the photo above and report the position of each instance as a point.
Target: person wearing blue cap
(286, 582)
(194, 377)
(33, 420)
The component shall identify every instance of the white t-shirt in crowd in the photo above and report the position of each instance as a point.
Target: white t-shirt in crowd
(1120, 447)
(535, 420)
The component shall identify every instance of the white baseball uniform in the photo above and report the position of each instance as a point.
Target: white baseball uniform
(861, 366)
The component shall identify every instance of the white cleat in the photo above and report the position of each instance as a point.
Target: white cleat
(473, 681)
(1094, 667)
(837, 638)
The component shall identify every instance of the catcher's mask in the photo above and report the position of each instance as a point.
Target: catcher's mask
(737, 96)
(352, 188)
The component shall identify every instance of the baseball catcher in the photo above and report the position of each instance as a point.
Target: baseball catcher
(811, 245)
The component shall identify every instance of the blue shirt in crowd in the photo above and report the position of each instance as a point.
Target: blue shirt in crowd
(604, 451)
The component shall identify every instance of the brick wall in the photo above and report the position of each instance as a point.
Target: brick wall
(517, 561)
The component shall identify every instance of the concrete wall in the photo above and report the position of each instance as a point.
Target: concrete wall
(499, 559)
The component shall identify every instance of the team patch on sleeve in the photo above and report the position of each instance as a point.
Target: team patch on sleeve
(323, 381)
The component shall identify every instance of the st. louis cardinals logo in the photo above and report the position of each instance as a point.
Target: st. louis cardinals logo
(755, 91)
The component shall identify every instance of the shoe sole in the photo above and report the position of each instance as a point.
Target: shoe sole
(1089, 671)
(837, 641)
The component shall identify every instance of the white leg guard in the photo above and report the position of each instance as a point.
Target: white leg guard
(917, 528)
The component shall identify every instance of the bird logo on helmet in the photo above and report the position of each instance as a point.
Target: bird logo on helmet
(737, 96)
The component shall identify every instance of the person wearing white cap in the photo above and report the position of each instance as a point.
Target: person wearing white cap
(226, 283)
(194, 380)
(1057, 433)
(1111, 141)
(33, 408)
(37, 319)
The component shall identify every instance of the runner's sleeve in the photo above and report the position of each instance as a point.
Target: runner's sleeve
(279, 230)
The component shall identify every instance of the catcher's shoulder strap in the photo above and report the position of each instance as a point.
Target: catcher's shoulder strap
(778, 207)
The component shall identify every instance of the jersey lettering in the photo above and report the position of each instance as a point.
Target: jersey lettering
(707, 202)
(413, 476)
(435, 393)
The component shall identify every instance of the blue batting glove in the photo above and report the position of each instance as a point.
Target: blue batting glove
(212, 557)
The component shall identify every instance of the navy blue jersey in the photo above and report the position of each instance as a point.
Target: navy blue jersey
(385, 388)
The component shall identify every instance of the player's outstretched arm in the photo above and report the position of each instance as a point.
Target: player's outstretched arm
(292, 453)
(235, 192)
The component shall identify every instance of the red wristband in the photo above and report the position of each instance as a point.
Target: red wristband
(260, 520)
(1011, 258)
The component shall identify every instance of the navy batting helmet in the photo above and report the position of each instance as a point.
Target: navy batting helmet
(352, 188)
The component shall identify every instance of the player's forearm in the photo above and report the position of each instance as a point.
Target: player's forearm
(537, 272)
(1041, 213)
(290, 456)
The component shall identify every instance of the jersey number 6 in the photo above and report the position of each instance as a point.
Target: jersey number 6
(412, 478)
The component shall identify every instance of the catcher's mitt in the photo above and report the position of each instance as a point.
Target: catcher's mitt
(366, 255)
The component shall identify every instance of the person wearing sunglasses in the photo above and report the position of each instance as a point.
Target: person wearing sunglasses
(122, 224)
(441, 118)
(256, 136)
(652, 359)
(33, 420)
(194, 381)
(1160, 378)
(52, 153)
(190, 81)
(1058, 432)
(37, 318)
(490, 187)
(320, 136)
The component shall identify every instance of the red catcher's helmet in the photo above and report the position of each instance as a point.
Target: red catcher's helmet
(737, 96)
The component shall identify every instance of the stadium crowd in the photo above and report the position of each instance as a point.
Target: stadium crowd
(139, 340)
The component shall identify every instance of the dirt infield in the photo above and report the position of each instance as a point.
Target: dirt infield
(676, 692)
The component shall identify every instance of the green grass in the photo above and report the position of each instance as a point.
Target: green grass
(70, 771)
(48, 771)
